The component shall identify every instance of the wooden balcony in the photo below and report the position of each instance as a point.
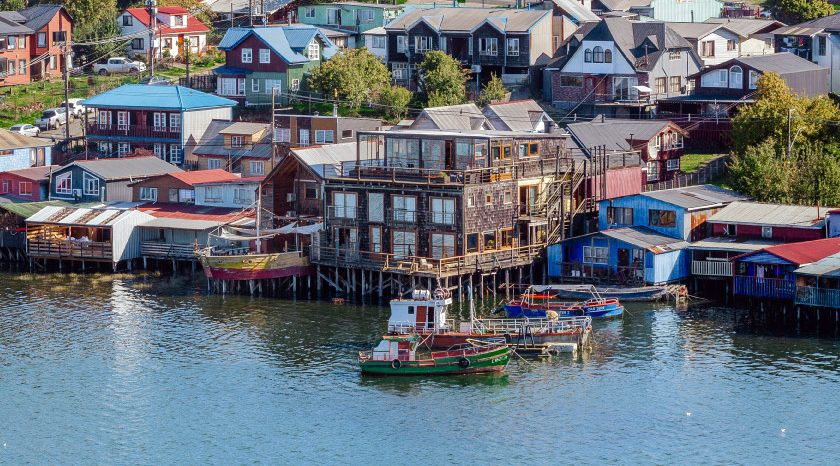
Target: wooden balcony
(711, 268)
(134, 132)
(818, 297)
(161, 249)
(780, 288)
(64, 249)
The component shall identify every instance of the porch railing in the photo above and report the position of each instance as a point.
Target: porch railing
(712, 268)
(764, 287)
(133, 131)
(70, 249)
(602, 273)
(168, 250)
(821, 297)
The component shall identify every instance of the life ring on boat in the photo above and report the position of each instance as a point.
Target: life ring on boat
(464, 363)
(396, 364)
(441, 293)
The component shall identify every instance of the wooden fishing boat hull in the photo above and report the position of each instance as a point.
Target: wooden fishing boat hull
(493, 360)
(255, 266)
(605, 308)
(640, 294)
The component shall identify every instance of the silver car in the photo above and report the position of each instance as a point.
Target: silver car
(52, 118)
(25, 129)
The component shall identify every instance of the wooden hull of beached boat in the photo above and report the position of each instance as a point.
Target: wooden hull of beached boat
(441, 363)
(255, 266)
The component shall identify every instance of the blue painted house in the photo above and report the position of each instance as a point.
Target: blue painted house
(625, 255)
(104, 180)
(678, 213)
(18, 151)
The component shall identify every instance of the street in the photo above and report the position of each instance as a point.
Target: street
(56, 135)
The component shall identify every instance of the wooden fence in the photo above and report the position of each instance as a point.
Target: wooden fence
(705, 174)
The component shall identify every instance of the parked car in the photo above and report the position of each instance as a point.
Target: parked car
(119, 65)
(52, 118)
(25, 129)
(75, 109)
(155, 81)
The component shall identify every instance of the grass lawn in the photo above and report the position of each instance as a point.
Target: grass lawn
(689, 163)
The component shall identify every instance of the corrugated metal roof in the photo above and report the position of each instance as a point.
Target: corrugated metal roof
(203, 176)
(697, 197)
(212, 143)
(37, 16)
(194, 212)
(244, 127)
(288, 42)
(12, 140)
(452, 117)
(798, 30)
(624, 5)
(467, 19)
(576, 10)
(125, 168)
(693, 30)
(827, 267)
(517, 115)
(35, 173)
(326, 161)
(781, 63)
(58, 215)
(614, 134)
(157, 97)
(745, 27)
(781, 215)
(647, 239)
(182, 224)
(801, 253)
(240, 7)
(732, 244)
(28, 209)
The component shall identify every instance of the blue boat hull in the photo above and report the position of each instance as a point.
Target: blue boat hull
(596, 312)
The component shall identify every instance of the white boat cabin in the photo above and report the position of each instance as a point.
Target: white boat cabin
(425, 311)
(389, 350)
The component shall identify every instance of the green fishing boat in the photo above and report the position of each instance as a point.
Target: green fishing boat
(399, 355)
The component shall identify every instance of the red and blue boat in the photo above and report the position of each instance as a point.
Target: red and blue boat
(540, 303)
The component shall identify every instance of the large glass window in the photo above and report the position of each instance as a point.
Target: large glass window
(404, 244)
(344, 205)
(596, 255)
(405, 208)
(90, 184)
(148, 194)
(403, 153)
(443, 245)
(662, 218)
(64, 183)
(619, 215)
(443, 211)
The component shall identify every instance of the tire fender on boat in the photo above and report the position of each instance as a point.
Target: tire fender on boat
(464, 363)
(508, 338)
(396, 364)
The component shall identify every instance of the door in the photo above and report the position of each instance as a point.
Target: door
(449, 156)
(623, 257)
(421, 316)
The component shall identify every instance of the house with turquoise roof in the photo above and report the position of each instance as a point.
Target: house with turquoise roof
(262, 60)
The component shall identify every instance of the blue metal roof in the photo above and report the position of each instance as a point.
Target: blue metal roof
(286, 41)
(765, 258)
(157, 97)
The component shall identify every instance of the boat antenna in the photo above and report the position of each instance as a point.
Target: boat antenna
(258, 241)
(472, 304)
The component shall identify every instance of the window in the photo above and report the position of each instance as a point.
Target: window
(443, 211)
(729, 229)
(128, 20)
(608, 56)
(310, 191)
(595, 255)
(489, 240)
(314, 50)
(64, 183)
(148, 194)
(661, 85)
(11, 42)
(507, 197)
(754, 75)
(571, 81)
(488, 46)
(6, 187)
(731, 45)
(213, 164)
(227, 86)
(736, 77)
(179, 20)
(247, 56)
(529, 150)
(400, 71)
(255, 86)
(423, 43)
(375, 239)
(672, 164)
(619, 215)
(662, 218)
(821, 45)
(257, 168)
(265, 56)
(653, 171)
(347, 133)
(767, 232)
(333, 16)
(122, 120)
(365, 16)
(22, 67)
(405, 208)
(309, 13)
(513, 47)
(137, 44)
(59, 36)
(715, 78)
(471, 201)
(488, 199)
(472, 242)
(272, 85)
(674, 55)
(159, 121)
(186, 196)
(377, 42)
(405, 244)
(105, 148)
(283, 135)
(213, 193)
(25, 188)
(324, 136)
(402, 44)
(675, 83)
(175, 154)
(295, 85)
(237, 141)
(598, 55)
(344, 205)
(707, 48)
(123, 149)
(53, 62)
(243, 196)
(42, 39)
(240, 86)
(10, 67)
(443, 245)
(303, 137)
(90, 184)
(158, 149)
(587, 56)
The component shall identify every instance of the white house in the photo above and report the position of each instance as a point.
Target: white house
(376, 41)
(234, 194)
(720, 39)
(174, 26)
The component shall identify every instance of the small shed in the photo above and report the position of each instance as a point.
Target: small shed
(818, 284)
(624, 255)
(100, 234)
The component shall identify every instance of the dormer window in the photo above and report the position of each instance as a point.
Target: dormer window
(314, 51)
(608, 56)
(587, 56)
(237, 141)
(598, 55)
(179, 20)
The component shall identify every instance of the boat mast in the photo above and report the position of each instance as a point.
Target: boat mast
(258, 241)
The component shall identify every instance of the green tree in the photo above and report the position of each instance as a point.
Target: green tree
(442, 79)
(93, 18)
(761, 173)
(12, 5)
(817, 175)
(395, 99)
(493, 90)
(355, 75)
(797, 11)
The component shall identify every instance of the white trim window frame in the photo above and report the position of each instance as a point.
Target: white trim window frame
(64, 183)
(596, 255)
(324, 136)
(247, 55)
(672, 164)
(513, 47)
(148, 193)
(265, 56)
(90, 184)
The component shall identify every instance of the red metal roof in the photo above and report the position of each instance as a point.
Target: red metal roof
(804, 252)
(34, 173)
(246, 179)
(204, 176)
(193, 24)
(193, 212)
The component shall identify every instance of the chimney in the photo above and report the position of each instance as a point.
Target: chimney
(335, 109)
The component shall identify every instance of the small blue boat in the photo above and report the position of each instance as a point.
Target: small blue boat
(538, 304)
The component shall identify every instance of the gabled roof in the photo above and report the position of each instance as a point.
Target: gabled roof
(575, 10)
(125, 168)
(240, 7)
(244, 127)
(452, 118)
(746, 27)
(212, 142)
(38, 16)
(704, 196)
(641, 43)
(193, 25)
(83, 216)
(516, 115)
(288, 42)
(781, 63)
(157, 97)
(614, 134)
(192, 178)
(694, 30)
(778, 215)
(10, 27)
(326, 161)
(804, 252)
(467, 19)
(831, 22)
(35, 173)
(646, 238)
(11, 140)
(624, 5)
(826, 267)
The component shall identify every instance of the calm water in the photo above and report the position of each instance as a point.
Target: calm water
(149, 371)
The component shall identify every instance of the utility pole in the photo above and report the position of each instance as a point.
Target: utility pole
(251, 13)
(790, 139)
(187, 59)
(152, 6)
(66, 77)
(273, 133)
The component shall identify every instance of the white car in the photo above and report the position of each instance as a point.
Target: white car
(25, 129)
(118, 65)
(75, 108)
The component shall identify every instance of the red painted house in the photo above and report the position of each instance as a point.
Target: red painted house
(52, 27)
(15, 43)
(26, 185)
